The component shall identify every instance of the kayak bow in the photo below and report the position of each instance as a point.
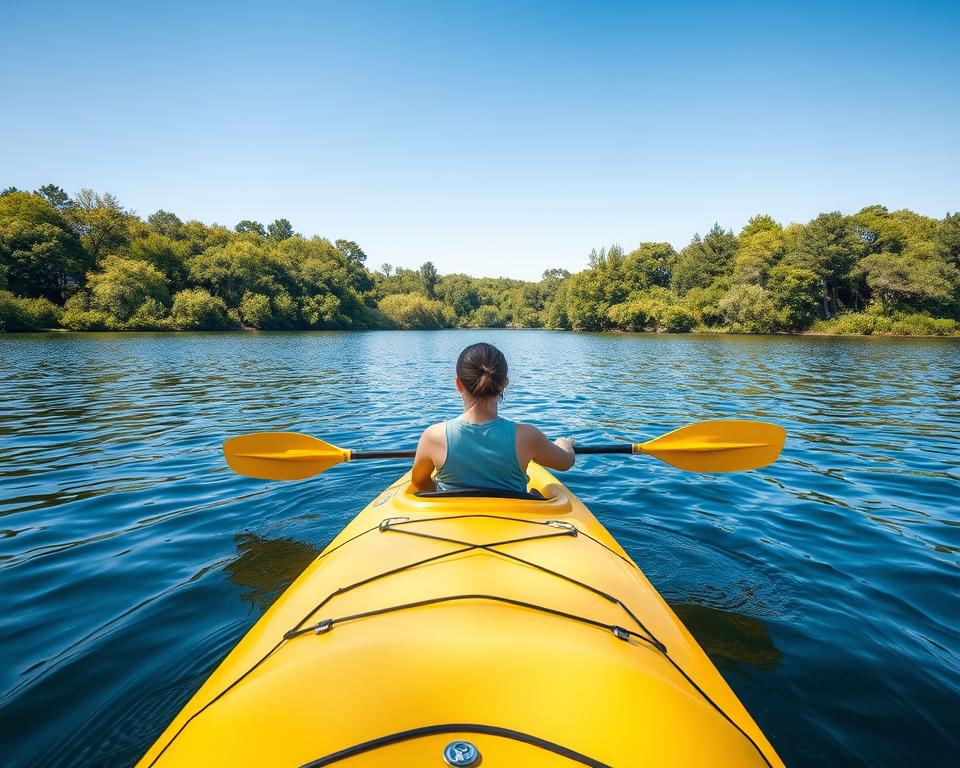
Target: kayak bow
(450, 630)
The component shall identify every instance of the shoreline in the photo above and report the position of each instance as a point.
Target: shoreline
(612, 331)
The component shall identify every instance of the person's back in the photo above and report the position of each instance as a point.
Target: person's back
(480, 449)
(481, 455)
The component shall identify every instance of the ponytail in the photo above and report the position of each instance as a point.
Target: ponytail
(482, 369)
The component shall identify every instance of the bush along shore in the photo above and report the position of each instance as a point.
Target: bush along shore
(84, 263)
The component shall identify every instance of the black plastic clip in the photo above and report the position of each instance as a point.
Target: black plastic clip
(620, 633)
(324, 626)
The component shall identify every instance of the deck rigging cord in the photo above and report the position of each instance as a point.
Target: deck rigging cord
(397, 525)
(431, 730)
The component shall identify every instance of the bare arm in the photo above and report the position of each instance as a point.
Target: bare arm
(431, 453)
(533, 445)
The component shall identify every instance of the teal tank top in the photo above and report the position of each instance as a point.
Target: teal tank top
(481, 456)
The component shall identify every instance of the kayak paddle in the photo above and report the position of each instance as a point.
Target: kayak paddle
(708, 446)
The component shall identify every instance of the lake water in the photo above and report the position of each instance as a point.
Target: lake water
(825, 587)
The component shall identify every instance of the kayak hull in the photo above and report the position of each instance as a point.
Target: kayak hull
(519, 626)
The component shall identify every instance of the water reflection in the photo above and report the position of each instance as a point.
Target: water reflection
(824, 586)
(266, 567)
(730, 636)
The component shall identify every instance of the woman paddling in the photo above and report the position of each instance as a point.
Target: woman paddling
(480, 449)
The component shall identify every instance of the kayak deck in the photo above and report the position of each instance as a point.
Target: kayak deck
(520, 626)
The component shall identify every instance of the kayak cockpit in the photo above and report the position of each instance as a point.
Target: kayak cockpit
(544, 496)
(482, 493)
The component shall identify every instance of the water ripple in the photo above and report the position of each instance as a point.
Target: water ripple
(825, 587)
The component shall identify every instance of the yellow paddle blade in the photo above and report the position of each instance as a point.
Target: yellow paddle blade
(718, 446)
(281, 455)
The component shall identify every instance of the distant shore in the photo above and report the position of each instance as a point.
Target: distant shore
(693, 332)
(85, 263)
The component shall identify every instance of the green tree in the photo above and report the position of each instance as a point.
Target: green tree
(55, 196)
(285, 312)
(759, 223)
(909, 278)
(652, 310)
(279, 230)
(200, 237)
(586, 307)
(757, 255)
(356, 259)
(123, 286)
(352, 252)
(792, 236)
(634, 315)
(39, 253)
(247, 226)
(20, 314)
(324, 311)
(321, 280)
(704, 260)
(148, 317)
(554, 277)
(704, 303)
(78, 316)
(648, 265)
(596, 258)
(829, 248)
(194, 309)
(608, 281)
(169, 256)
(255, 310)
(796, 294)
(487, 316)
(459, 292)
(947, 238)
(748, 309)
(551, 284)
(877, 231)
(522, 306)
(555, 312)
(101, 223)
(916, 228)
(413, 311)
(676, 319)
(428, 277)
(401, 281)
(167, 224)
(231, 270)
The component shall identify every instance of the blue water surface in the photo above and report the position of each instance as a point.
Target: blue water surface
(825, 587)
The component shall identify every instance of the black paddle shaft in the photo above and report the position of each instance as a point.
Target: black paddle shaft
(356, 455)
(581, 449)
(609, 448)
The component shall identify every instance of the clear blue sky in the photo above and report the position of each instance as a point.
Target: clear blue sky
(491, 138)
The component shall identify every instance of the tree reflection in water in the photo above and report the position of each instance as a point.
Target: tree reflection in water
(729, 636)
(266, 567)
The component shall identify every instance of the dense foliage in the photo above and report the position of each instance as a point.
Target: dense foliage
(86, 263)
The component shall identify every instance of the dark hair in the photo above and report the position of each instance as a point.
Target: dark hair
(482, 369)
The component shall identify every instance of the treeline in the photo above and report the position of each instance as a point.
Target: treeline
(86, 263)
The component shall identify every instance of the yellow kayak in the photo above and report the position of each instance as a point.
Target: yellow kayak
(457, 630)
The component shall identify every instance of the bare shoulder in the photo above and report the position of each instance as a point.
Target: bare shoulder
(529, 434)
(434, 435)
